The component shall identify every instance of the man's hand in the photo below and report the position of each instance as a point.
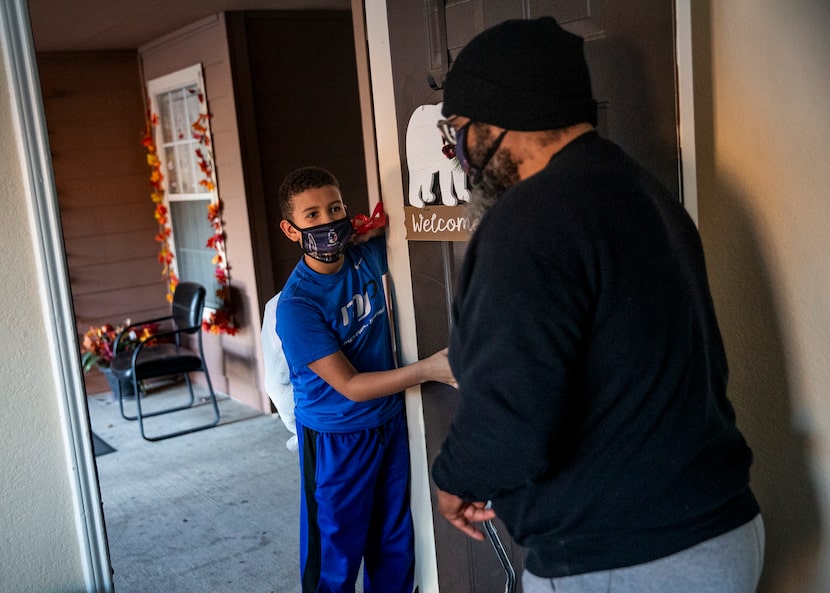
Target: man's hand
(462, 514)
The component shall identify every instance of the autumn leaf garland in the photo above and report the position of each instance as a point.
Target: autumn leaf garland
(165, 255)
(221, 320)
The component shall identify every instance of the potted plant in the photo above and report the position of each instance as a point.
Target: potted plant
(97, 349)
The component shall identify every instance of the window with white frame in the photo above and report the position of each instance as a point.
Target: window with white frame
(177, 101)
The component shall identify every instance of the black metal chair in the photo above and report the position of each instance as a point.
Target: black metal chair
(165, 355)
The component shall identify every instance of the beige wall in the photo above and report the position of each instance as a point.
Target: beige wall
(234, 366)
(762, 78)
(39, 543)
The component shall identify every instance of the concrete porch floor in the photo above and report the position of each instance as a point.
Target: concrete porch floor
(216, 510)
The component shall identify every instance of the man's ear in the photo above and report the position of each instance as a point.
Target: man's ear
(290, 232)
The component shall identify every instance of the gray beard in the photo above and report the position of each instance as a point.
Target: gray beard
(501, 174)
(480, 202)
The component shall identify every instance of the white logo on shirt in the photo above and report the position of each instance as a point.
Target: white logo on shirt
(360, 305)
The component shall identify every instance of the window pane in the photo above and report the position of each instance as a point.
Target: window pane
(181, 122)
(193, 108)
(165, 117)
(198, 174)
(191, 230)
(171, 164)
(185, 155)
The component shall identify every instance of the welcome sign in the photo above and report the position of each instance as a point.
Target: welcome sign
(437, 192)
(438, 223)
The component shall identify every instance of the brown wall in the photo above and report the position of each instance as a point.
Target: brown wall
(95, 118)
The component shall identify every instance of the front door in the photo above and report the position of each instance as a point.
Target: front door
(630, 49)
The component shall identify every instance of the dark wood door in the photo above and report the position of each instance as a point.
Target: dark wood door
(295, 107)
(630, 50)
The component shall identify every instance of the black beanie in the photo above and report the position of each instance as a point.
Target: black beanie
(523, 75)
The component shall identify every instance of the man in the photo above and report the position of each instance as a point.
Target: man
(593, 408)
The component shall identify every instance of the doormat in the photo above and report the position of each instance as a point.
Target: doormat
(100, 446)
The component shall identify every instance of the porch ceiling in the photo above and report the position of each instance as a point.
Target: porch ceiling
(88, 25)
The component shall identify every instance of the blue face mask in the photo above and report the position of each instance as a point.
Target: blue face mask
(461, 148)
(326, 242)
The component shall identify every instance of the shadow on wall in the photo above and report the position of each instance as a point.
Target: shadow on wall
(759, 387)
(760, 390)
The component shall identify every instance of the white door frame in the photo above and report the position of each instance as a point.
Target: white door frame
(27, 108)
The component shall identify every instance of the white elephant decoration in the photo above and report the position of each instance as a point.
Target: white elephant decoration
(425, 159)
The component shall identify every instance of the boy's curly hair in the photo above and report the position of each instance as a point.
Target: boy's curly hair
(298, 181)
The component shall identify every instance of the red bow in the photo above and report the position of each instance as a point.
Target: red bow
(362, 224)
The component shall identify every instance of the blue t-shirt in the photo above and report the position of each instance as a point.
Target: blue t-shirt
(319, 314)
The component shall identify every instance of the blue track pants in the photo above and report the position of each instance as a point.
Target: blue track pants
(355, 506)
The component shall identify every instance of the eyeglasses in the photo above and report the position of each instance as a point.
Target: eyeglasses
(448, 133)
(455, 148)
(450, 137)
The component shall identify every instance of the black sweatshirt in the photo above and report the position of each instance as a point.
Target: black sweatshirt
(592, 373)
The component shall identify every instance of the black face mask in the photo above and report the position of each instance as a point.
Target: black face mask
(326, 242)
(473, 171)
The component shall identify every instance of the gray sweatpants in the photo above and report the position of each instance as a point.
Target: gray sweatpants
(729, 563)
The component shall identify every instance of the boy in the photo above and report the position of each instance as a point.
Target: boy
(354, 459)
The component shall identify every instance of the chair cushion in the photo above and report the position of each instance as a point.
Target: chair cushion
(157, 360)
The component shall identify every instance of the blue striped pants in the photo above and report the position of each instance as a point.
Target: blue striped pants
(355, 506)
